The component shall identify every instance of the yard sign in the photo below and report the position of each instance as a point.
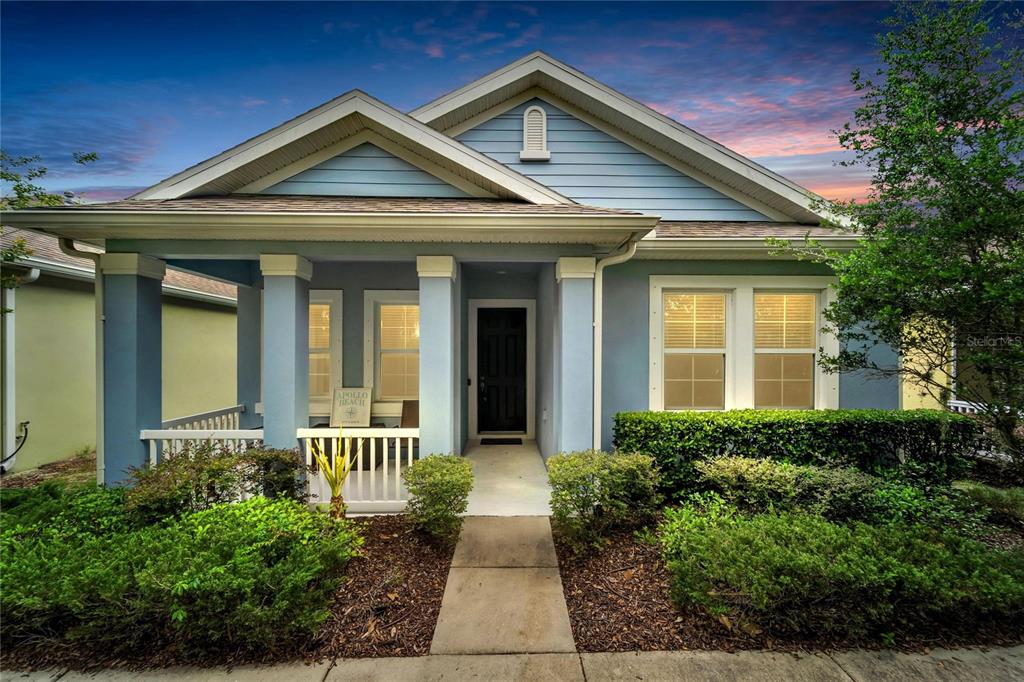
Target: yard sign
(350, 407)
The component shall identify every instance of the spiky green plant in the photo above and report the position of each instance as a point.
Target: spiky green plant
(335, 470)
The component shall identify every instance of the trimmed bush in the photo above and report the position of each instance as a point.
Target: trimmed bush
(85, 509)
(207, 474)
(924, 444)
(439, 487)
(758, 485)
(245, 577)
(593, 492)
(798, 574)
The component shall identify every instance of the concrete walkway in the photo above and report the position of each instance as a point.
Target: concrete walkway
(508, 480)
(504, 593)
(996, 665)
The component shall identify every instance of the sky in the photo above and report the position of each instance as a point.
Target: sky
(153, 87)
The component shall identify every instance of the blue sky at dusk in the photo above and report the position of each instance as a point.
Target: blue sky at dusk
(156, 87)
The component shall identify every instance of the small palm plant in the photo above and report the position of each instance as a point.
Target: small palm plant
(335, 470)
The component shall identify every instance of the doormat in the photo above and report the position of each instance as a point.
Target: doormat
(501, 441)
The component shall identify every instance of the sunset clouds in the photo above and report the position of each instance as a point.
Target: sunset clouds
(154, 88)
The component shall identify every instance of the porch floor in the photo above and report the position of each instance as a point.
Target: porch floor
(510, 480)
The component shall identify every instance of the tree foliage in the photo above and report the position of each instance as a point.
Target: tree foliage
(940, 268)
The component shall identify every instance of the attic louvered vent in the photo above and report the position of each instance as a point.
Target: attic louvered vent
(535, 135)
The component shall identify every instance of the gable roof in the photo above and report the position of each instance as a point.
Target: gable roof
(478, 99)
(354, 117)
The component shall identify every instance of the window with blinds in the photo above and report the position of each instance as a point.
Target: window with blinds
(785, 340)
(694, 350)
(320, 351)
(535, 135)
(399, 352)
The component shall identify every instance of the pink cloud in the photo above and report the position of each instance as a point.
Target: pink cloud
(434, 50)
(781, 140)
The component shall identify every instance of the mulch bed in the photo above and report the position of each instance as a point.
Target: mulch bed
(391, 599)
(619, 599)
(73, 471)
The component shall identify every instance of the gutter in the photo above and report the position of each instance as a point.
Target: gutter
(68, 247)
(10, 384)
(614, 259)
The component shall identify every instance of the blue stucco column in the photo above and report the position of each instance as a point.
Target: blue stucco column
(438, 368)
(247, 358)
(285, 348)
(132, 363)
(574, 413)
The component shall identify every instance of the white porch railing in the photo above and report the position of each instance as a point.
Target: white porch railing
(224, 419)
(170, 442)
(374, 485)
(375, 482)
(964, 407)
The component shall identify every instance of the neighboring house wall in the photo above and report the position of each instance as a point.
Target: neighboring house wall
(366, 171)
(594, 168)
(56, 351)
(625, 362)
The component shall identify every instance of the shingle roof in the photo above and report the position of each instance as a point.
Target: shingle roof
(266, 203)
(45, 247)
(671, 229)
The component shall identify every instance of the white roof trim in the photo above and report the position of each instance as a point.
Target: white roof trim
(366, 107)
(734, 168)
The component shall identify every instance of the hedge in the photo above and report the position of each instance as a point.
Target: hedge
(801, 575)
(922, 443)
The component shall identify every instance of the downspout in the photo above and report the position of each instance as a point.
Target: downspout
(68, 247)
(10, 381)
(614, 259)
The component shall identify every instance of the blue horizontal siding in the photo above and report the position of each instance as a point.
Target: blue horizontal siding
(592, 167)
(366, 171)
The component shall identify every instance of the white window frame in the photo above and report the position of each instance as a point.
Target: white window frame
(541, 154)
(739, 332)
(729, 324)
(372, 300)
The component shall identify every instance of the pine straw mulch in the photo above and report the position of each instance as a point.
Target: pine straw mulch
(388, 606)
(73, 471)
(390, 601)
(619, 599)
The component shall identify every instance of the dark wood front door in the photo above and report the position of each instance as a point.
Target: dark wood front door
(501, 369)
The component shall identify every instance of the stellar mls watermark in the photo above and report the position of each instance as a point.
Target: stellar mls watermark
(994, 341)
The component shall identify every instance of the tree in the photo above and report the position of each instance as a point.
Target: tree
(21, 172)
(939, 274)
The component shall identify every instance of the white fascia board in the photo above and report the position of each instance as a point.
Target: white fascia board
(745, 248)
(376, 112)
(86, 274)
(538, 62)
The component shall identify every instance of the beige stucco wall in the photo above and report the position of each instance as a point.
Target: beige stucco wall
(55, 354)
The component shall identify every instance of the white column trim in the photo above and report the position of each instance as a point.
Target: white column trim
(436, 266)
(575, 267)
(285, 265)
(132, 264)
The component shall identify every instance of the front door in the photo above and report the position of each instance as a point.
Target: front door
(501, 369)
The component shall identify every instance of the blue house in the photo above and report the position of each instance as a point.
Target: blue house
(524, 256)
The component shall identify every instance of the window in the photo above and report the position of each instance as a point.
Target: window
(535, 135)
(694, 355)
(324, 345)
(784, 346)
(392, 345)
(739, 341)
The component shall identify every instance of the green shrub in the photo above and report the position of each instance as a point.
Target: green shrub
(921, 443)
(797, 574)
(207, 474)
(1006, 503)
(760, 484)
(439, 487)
(593, 492)
(251, 576)
(86, 509)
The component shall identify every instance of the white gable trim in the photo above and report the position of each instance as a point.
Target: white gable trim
(734, 169)
(352, 142)
(373, 114)
(656, 154)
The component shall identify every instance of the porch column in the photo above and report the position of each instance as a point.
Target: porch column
(285, 348)
(247, 359)
(438, 369)
(132, 362)
(574, 422)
